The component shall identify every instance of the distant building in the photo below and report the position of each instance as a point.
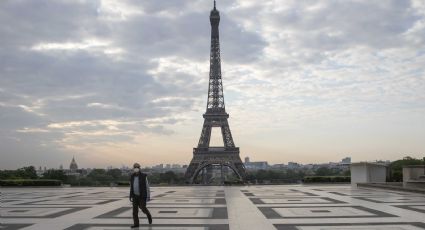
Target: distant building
(246, 160)
(162, 168)
(73, 166)
(346, 160)
(40, 171)
(74, 170)
(293, 165)
(308, 166)
(278, 166)
(383, 162)
(255, 165)
(125, 170)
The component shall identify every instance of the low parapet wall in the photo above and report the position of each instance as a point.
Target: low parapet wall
(391, 186)
(414, 176)
(364, 172)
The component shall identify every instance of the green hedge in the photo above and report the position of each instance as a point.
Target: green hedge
(123, 183)
(29, 182)
(233, 182)
(327, 179)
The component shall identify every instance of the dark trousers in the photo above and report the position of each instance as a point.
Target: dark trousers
(139, 202)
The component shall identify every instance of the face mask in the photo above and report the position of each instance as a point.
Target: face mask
(136, 170)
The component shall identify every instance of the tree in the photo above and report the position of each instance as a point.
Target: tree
(154, 178)
(27, 173)
(114, 173)
(168, 177)
(324, 171)
(347, 173)
(55, 175)
(8, 174)
(396, 167)
(100, 176)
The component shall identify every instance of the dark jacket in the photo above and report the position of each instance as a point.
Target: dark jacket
(143, 185)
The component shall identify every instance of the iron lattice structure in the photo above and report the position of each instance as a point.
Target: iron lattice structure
(205, 156)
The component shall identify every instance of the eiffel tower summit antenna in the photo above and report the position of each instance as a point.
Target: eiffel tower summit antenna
(206, 157)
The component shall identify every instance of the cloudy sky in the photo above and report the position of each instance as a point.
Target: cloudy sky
(113, 82)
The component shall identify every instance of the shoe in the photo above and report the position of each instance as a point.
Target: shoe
(134, 226)
(149, 218)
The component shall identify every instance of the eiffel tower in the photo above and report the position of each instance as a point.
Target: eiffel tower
(204, 156)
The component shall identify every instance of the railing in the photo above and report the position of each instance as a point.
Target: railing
(217, 149)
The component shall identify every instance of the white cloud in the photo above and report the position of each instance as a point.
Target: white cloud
(113, 73)
(87, 44)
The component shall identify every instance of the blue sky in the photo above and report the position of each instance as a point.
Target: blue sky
(113, 82)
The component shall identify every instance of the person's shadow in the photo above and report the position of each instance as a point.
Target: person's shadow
(142, 228)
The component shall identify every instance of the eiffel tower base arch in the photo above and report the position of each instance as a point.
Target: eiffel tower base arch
(223, 157)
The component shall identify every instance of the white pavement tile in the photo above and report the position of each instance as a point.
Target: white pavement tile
(215, 208)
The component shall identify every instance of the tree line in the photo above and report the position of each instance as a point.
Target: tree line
(102, 177)
(96, 177)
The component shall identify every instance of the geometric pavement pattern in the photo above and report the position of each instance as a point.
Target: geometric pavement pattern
(290, 207)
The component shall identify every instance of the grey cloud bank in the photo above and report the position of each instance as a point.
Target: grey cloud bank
(99, 73)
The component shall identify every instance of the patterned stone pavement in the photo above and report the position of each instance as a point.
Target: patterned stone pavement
(215, 208)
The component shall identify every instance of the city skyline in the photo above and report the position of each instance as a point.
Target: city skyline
(113, 83)
(73, 164)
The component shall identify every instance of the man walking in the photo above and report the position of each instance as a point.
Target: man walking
(139, 194)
